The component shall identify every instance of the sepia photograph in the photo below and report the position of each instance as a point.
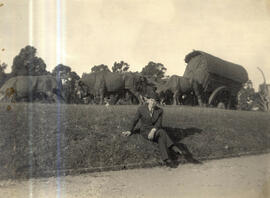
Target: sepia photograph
(134, 99)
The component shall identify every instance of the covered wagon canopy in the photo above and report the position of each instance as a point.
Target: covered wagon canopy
(214, 65)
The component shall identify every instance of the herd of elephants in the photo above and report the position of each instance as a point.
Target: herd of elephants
(207, 81)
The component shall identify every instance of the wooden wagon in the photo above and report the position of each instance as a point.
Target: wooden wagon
(219, 80)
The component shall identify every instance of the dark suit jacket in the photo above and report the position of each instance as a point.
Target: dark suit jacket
(147, 121)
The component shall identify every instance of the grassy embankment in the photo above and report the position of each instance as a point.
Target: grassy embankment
(42, 140)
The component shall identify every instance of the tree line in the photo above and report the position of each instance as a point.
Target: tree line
(27, 63)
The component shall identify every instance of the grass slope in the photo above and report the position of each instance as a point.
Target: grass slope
(42, 139)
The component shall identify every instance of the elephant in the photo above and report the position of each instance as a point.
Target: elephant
(105, 83)
(30, 88)
(178, 86)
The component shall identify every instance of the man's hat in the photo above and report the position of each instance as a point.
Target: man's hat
(152, 95)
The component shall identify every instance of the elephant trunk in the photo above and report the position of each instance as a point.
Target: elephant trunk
(200, 101)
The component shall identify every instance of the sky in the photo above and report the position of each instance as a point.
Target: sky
(84, 33)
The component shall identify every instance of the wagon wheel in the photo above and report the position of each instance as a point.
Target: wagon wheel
(220, 98)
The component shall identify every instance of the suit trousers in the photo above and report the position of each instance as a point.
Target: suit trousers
(164, 143)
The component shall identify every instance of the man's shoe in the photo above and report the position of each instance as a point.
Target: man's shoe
(177, 150)
(170, 163)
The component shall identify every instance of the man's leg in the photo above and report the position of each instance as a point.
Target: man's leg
(164, 142)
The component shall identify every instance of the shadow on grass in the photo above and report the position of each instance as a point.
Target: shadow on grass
(178, 134)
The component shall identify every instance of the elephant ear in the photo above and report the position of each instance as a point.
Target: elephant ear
(142, 79)
(80, 85)
(140, 82)
(136, 83)
(131, 81)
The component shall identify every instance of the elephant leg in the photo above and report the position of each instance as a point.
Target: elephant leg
(128, 98)
(13, 96)
(196, 90)
(178, 101)
(56, 98)
(101, 95)
(117, 98)
(176, 98)
(50, 97)
(1, 97)
(141, 100)
(96, 97)
(200, 101)
(138, 96)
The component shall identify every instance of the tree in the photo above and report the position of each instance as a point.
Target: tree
(27, 63)
(3, 67)
(68, 79)
(120, 67)
(3, 76)
(98, 68)
(154, 70)
(263, 100)
(61, 71)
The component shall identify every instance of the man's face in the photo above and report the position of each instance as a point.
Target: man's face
(151, 102)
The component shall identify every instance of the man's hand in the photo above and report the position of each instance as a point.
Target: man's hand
(126, 133)
(152, 134)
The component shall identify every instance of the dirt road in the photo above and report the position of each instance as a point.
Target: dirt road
(247, 177)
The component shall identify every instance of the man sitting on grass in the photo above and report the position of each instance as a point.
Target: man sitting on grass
(151, 128)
